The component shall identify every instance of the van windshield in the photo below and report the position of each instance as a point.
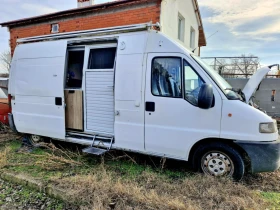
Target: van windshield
(218, 79)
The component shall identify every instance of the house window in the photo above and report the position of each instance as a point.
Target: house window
(55, 28)
(192, 38)
(181, 27)
(273, 95)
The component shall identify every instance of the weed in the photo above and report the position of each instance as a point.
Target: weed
(272, 198)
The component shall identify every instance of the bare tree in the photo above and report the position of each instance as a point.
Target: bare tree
(5, 60)
(223, 68)
(220, 66)
(246, 65)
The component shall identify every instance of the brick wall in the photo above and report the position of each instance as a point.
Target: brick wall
(142, 12)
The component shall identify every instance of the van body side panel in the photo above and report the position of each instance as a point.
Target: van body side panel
(129, 103)
(38, 107)
(40, 77)
(246, 120)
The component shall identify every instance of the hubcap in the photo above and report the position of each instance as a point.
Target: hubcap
(217, 164)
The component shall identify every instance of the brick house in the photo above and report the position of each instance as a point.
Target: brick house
(179, 19)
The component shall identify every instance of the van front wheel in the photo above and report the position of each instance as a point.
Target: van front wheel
(217, 159)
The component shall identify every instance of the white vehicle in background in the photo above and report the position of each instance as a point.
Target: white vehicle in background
(132, 88)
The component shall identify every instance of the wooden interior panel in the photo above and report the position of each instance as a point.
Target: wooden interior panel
(74, 109)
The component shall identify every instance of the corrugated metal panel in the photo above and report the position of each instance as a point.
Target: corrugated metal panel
(100, 101)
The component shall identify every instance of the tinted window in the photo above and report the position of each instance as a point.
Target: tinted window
(166, 77)
(103, 58)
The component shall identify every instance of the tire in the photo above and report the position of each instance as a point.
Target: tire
(33, 140)
(218, 159)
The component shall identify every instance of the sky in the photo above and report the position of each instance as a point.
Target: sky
(244, 27)
(234, 27)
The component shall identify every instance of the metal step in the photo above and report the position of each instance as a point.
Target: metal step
(105, 139)
(95, 151)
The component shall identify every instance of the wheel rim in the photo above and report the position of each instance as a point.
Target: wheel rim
(35, 139)
(216, 163)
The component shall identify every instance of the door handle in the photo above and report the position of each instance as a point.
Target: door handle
(150, 106)
(58, 101)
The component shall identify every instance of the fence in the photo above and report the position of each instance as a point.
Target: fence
(238, 67)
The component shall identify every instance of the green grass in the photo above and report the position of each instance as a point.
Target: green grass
(26, 194)
(273, 198)
(14, 145)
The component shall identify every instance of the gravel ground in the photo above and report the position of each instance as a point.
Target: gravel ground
(16, 197)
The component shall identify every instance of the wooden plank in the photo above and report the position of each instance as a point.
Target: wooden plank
(74, 109)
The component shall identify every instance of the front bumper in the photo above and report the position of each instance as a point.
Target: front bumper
(264, 156)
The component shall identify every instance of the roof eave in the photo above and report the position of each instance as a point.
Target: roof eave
(202, 38)
(64, 13)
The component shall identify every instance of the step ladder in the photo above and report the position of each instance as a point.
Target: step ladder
(95, 150)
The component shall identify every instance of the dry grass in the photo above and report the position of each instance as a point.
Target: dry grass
(103, 190)
(6, 134)
(4, 157)
(105, 187)
(268, 182)
(52, 162)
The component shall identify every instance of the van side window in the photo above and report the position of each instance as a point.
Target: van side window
(166, 77)
(193, 83)
(102, 58)
(75, 69)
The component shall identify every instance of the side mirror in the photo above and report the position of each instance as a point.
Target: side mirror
(205, 96)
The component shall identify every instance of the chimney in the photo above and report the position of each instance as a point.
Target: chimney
(85, 3)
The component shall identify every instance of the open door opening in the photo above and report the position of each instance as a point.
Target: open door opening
(73, 89)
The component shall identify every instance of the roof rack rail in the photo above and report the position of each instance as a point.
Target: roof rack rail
(85, 33)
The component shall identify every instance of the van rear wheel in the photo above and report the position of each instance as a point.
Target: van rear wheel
(33, 139)
(218, 159)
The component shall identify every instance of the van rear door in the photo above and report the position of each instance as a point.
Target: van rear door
(38, 107)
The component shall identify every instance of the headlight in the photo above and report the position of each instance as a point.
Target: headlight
(268, 127)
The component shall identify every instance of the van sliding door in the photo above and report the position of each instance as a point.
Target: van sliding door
(39, 89)
(99, 88)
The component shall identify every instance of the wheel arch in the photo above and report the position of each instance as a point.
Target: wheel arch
(228, 142)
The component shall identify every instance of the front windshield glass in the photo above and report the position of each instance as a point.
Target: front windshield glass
(218, 79)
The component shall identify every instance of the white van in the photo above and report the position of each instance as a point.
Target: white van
(132, 88)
